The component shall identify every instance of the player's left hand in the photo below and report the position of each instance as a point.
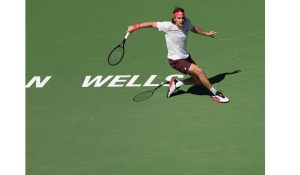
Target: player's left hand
(211, 34)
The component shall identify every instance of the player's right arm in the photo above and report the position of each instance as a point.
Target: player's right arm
(142, 25)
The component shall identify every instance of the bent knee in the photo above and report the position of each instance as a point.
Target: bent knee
(196, 70)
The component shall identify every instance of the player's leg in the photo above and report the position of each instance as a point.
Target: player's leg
(198, 76)
(188, 66)
(192, 80)
(182, 65)
(176, 84)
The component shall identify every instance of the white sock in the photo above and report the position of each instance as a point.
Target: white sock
(213, 90)
(179, 83)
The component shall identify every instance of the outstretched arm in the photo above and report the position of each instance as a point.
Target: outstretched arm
(142, 25)
(200, 31)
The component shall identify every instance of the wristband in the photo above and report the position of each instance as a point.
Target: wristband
(136, 26)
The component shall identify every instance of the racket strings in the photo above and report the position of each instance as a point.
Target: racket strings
(116, 55)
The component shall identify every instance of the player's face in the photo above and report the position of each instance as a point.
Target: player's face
(179, 20)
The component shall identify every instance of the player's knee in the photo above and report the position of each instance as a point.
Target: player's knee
(199, 71)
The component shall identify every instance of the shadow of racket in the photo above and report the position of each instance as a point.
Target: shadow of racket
(147, 94)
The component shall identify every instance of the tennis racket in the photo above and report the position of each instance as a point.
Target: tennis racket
(147, 94)
(116, 55)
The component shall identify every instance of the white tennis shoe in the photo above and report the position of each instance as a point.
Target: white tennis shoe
(172, 87)
(220, 98)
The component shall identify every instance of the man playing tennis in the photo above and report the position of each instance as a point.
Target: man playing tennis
(176, 32)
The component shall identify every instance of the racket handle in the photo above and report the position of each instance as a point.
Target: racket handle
(127, 34)
(163, 83)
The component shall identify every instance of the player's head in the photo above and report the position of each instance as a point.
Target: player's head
(178, 16)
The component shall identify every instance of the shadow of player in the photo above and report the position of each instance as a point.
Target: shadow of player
(201, 90)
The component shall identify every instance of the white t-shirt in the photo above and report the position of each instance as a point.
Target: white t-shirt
(176, 38)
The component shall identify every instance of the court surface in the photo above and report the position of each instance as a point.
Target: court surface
(73, 130)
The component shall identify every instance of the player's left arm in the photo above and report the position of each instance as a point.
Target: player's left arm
(200, 31)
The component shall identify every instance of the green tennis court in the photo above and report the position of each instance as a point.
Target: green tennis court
(99, 129)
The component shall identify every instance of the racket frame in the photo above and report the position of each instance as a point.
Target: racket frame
(122, 45)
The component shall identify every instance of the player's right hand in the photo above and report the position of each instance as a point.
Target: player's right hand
(130, 29)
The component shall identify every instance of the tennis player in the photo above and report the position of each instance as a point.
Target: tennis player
(176, 33)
